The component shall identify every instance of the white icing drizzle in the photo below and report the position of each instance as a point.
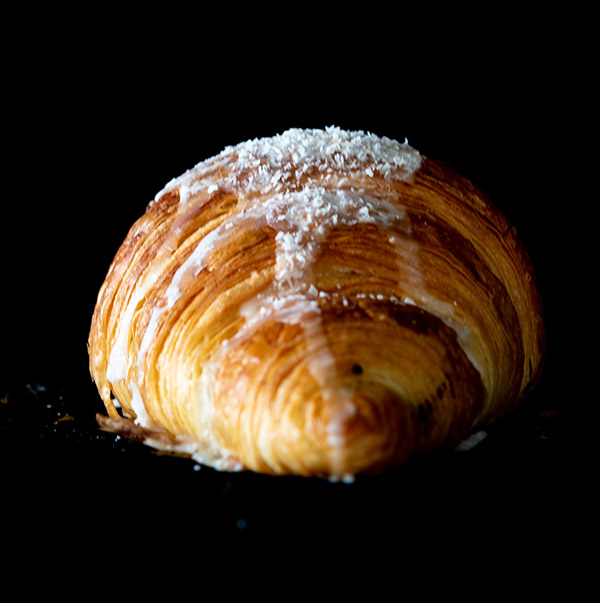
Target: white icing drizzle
(118, 360)
(137, 404)
(301, 184)
(472, 441)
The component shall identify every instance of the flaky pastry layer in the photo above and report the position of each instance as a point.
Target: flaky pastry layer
(322, 303)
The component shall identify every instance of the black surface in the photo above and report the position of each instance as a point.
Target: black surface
(97, 142)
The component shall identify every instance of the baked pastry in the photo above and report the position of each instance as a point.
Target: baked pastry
(321, 303)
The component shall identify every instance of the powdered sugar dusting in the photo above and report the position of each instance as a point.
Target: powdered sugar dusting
(302, 220)
(300, 184)
(297, 151)
(278, 163)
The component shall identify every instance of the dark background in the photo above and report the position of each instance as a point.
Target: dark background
(105, 113)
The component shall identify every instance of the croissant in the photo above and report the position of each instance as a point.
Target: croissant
(322, 303)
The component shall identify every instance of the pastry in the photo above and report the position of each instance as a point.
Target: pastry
(322, 303)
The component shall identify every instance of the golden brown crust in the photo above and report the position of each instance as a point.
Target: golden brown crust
(385, 415)
(326, 313)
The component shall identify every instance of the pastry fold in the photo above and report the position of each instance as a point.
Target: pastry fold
(321, 303)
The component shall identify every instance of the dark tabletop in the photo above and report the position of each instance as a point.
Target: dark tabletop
(528, 483)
